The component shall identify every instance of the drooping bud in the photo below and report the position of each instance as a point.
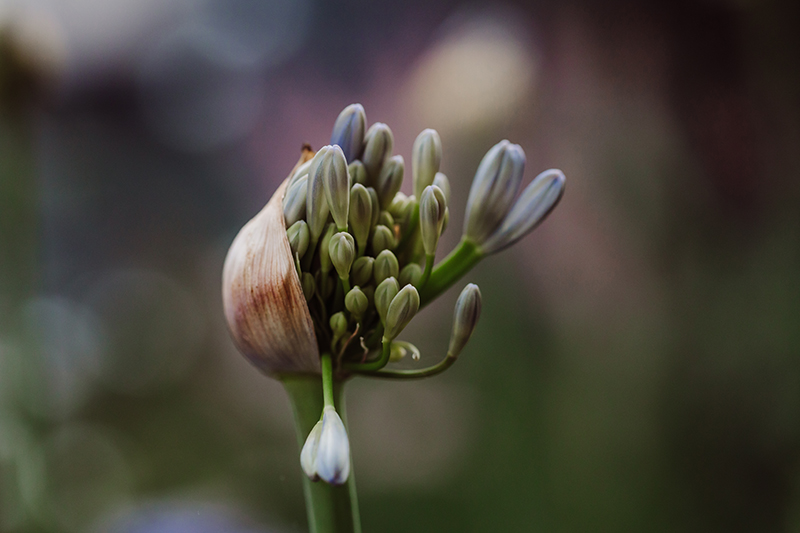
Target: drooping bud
(316, 203)
(384, 294)
(389, 180)
(443, 183)
(360, 215)
(402, 309)
(465, 317)
(348, 131)
(496, 184)
(309, 286)
(333, 452)
(426, 155)
(324, 248)
(336, 181)
(356, 302)
(533, 205)
(342, 250)
(361, 271)
(358, 173)
(294, 203)
(410, 275)
(298, 238)
(308, 455)
(382, 239)
(378, 144)
(432, 207)
(385, 266)
(376, 212)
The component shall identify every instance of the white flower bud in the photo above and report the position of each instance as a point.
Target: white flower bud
(358, 174)
(443, 183)
(361, 271)
(316, 203)
(348, 131)
(465, 317)
(426, 155)
(384, 294)
(333, 451)
(378, 144)
(533, 205)
(298, 238)
(336, 182)
(382, 239)
(294, 203)
(360, 215)
(376, 210)
(402, 309)
(410, 275)
(432, 207)
(496, 184)
(342, 250)
(356, 302)
(308, 455)
(385, 266)
(389, 180)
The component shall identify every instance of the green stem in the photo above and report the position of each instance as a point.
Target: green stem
(414, 374)
(345, 285)
(373, 365)
(426, 274)
(327, 379)
(330, 509)
(450, 269)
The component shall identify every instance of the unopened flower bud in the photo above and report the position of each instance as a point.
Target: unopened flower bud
(496, 184)
(324, 248)
(533, 205)
(356, 302)
(360, 215)
(398, 208)
(333, 452)
(376, 211)
(294, 203)
(378, 144)
(465, 317)
(348, 131)
(316, 203)
(385, 266)
(382, 239)
(336, 181)
(342, 250)
(338, 323)
(426, 155)
(389, 180)
(402, 309)
(384, 294)
(309, 286)
(298, 238)
(410, 275)
(300, 171)
(308, 455)
(358, 174)
(398, 352)
(361, 271)
(432, 207)
(386, 219)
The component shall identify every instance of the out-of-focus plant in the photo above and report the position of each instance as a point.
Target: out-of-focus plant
(319, 285)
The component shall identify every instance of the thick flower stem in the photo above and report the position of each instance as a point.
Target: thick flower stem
(330, 509)
(451, 269)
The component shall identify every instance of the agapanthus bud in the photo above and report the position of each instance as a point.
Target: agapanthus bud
(443, 183)
(376, 211)
(348, 131)
(356, 302)
(432, 208)
(398, 208)
(308, 455)
(333, 452)
(533, 205)
(360, 215)
(361, 271)
(324, 248)
(316, 203)
(263, 299)
(385, 266)
(294, 203)
(342, 250)
(410, 274)
(402, 309)
(389, 180)
(358, 174)
(384, 294)
(309, 286)
(301, 170)
(386, 219)
(338, 323)
(465, 317)
(378, 144)
(298, 238)
(496, 184)
(426, 155)
(382, 239)
(336, 182)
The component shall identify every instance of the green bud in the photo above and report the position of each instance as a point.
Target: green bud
(382, 239)
(467, 312)
(385, 266)
(316, 203)
(410, 275)
(389, 180)
(324, 250)
(361, 271)
(425, 158)
(294, 202)
(376, 212)
(309, 286)
(348, 131)
(398, 206)
(496, 184)
(398, 352)
(356, 302)
(402, 309)
(446, 219)
(338, 324)
(342, 250)
(336, 182)
(386, 219)
(384, 294)
(378, 144)
(358, 174)
(360, 215)
(443, 183)
(298, 236)
(432, 208)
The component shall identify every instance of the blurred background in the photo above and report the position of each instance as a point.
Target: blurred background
(637, 364)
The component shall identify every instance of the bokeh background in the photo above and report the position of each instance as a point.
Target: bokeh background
(637, 364)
